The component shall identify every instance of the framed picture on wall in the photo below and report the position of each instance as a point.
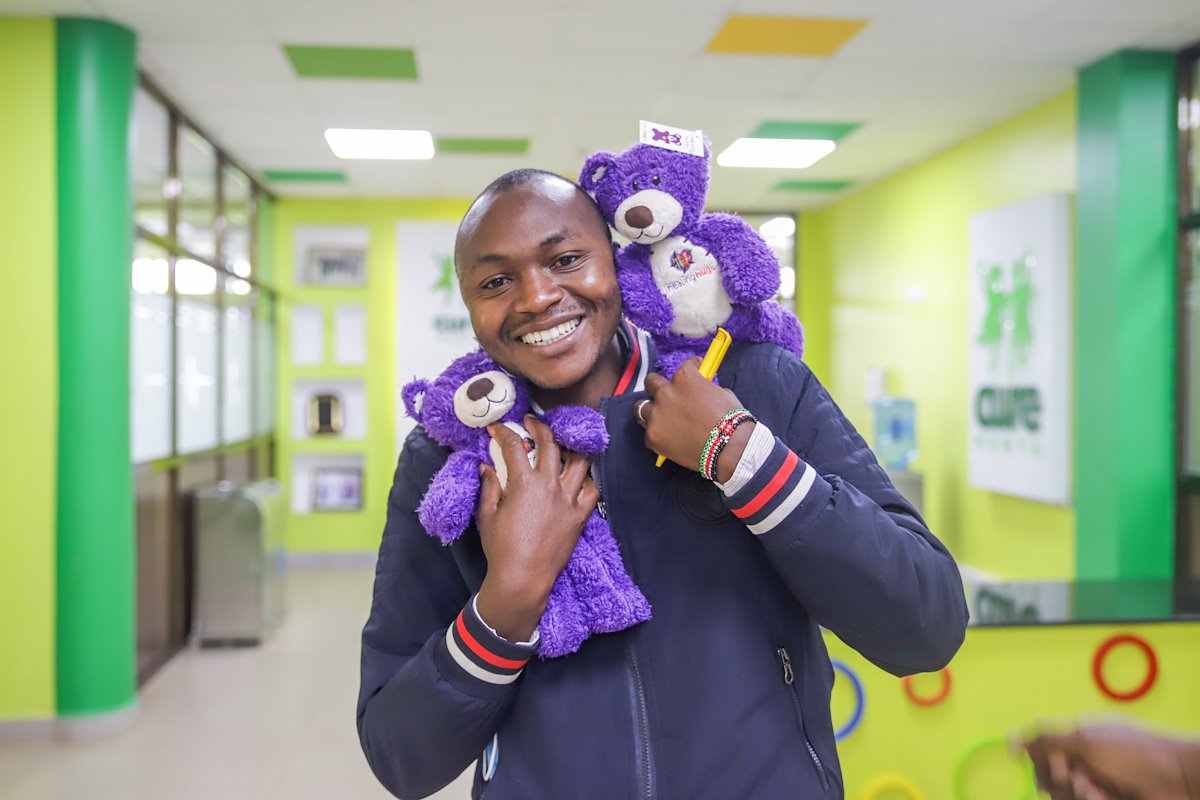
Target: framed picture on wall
(335, 265)
(337, 489)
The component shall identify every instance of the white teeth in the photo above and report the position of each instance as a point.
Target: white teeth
(538, 338)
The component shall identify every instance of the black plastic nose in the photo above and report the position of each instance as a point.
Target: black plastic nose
(479, 389)
(639, 217)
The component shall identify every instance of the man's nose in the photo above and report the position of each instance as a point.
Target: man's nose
(539, 291)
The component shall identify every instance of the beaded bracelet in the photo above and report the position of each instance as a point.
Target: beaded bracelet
(718, 437)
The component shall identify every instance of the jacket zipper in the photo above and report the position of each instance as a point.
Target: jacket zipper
(789, 678)
(641, 727)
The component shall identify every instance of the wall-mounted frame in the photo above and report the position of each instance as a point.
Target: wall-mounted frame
(325, 415)
(337, 489)
(332, 265)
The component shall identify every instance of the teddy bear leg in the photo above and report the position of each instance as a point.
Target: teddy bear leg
(563, 627)
(613, 602)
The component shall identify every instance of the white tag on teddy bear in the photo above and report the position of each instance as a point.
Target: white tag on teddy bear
(667, 137)
(498, 456)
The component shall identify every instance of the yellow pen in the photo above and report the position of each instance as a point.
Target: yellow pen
(710, 364)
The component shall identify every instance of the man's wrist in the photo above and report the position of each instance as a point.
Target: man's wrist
(513, 613)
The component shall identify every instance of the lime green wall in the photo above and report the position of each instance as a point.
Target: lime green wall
(348, 531)
(909, 234)
(1003, 680)
(28, 290)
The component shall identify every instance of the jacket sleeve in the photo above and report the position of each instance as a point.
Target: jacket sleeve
(852, 550)
(435, 681)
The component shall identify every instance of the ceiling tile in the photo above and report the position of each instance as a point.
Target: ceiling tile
(784, 35)
(322, 61)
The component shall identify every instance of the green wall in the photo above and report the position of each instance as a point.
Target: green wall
(907, 235)
(28, 291)
(1125, 328)
(347, 531)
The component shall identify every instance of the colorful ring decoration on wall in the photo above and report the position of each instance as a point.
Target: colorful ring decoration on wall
(1151, 667)
(931, 700)
(1029, 785)
(890, 782)
(860, 700)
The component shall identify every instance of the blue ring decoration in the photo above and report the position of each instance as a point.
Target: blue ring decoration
(860, 700)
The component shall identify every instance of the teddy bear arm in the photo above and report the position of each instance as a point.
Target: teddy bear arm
(578, 428)
(449, 503)
(644, 304)
(749, 268)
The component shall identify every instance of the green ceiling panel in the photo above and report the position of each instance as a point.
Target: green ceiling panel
(783, 129)
(312, 61)
(446, 144)
(811, 186)
(303, 176)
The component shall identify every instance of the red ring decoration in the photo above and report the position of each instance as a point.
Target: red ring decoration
(1151, 671)
(932, 700)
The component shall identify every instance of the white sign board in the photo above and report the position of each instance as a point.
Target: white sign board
(1020, 351)
(432, 325)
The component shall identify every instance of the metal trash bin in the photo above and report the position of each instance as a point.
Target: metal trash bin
(239, 585)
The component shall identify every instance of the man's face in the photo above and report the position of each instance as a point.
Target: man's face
(537, 275)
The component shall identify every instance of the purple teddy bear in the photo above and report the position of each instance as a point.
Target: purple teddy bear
(594, 594)
(684, 272)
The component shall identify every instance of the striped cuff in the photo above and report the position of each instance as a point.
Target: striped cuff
(481, 653)
(758, 450)
(775, 491)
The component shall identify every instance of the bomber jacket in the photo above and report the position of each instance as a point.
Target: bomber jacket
(725, 693)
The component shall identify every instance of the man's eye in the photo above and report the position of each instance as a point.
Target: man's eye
(493, 283)
(566, 261)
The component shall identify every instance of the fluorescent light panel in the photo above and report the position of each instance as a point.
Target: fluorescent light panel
(379, 144)
(775, 153)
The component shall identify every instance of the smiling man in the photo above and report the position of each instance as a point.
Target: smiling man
(773, 519)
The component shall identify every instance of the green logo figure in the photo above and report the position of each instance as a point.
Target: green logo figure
(447, 281)
(1008, 311)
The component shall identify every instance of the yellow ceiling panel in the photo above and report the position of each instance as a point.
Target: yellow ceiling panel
(784, 36)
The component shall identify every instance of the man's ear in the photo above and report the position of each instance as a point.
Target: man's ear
(414, 395)
(594, 170)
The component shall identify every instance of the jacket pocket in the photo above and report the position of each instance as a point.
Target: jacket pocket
(789, 679)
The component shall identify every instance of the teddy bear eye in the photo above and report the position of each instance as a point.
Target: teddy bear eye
(635, 186)
(655, 180)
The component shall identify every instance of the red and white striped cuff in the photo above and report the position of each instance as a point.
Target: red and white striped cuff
(481, 653)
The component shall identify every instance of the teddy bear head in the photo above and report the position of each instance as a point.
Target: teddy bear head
(469, 395)
(648, 193)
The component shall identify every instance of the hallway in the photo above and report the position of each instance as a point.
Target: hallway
(269, 722)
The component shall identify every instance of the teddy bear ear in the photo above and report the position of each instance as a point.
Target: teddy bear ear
(594, 169)
(414, 396)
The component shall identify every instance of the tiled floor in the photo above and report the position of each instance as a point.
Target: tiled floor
(275, 721)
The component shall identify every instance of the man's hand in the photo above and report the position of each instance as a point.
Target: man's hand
(682, 412)
(1107, 762)
(529, 529)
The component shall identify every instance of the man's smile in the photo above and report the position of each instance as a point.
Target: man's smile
(545, 336)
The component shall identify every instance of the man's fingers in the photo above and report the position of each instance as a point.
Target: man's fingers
(690, 367)
(489, 490)
(655, 383)
(575, 472)
(512, 449)
(589, 495)
(549, 458)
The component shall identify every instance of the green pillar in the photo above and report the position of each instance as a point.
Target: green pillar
(1125, 320)
(96, 641)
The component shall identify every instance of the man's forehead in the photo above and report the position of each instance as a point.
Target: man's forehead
(524, 207)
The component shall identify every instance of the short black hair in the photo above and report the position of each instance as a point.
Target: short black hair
(522, 177)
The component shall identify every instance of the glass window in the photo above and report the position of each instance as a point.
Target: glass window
(150, 334)
(237, 363)
(1193, 111)
(196, 356)
(195, 229)
(151, 151)
(237, 206)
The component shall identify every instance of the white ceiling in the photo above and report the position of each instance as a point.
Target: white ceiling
(575, 76)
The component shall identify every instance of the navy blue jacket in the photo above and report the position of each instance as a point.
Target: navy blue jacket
(697, 703)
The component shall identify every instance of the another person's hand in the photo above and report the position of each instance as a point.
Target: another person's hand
(681, 413)
(530, 528)
(1107, 762)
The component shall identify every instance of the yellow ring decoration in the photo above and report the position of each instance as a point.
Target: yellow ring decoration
(890, 781)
